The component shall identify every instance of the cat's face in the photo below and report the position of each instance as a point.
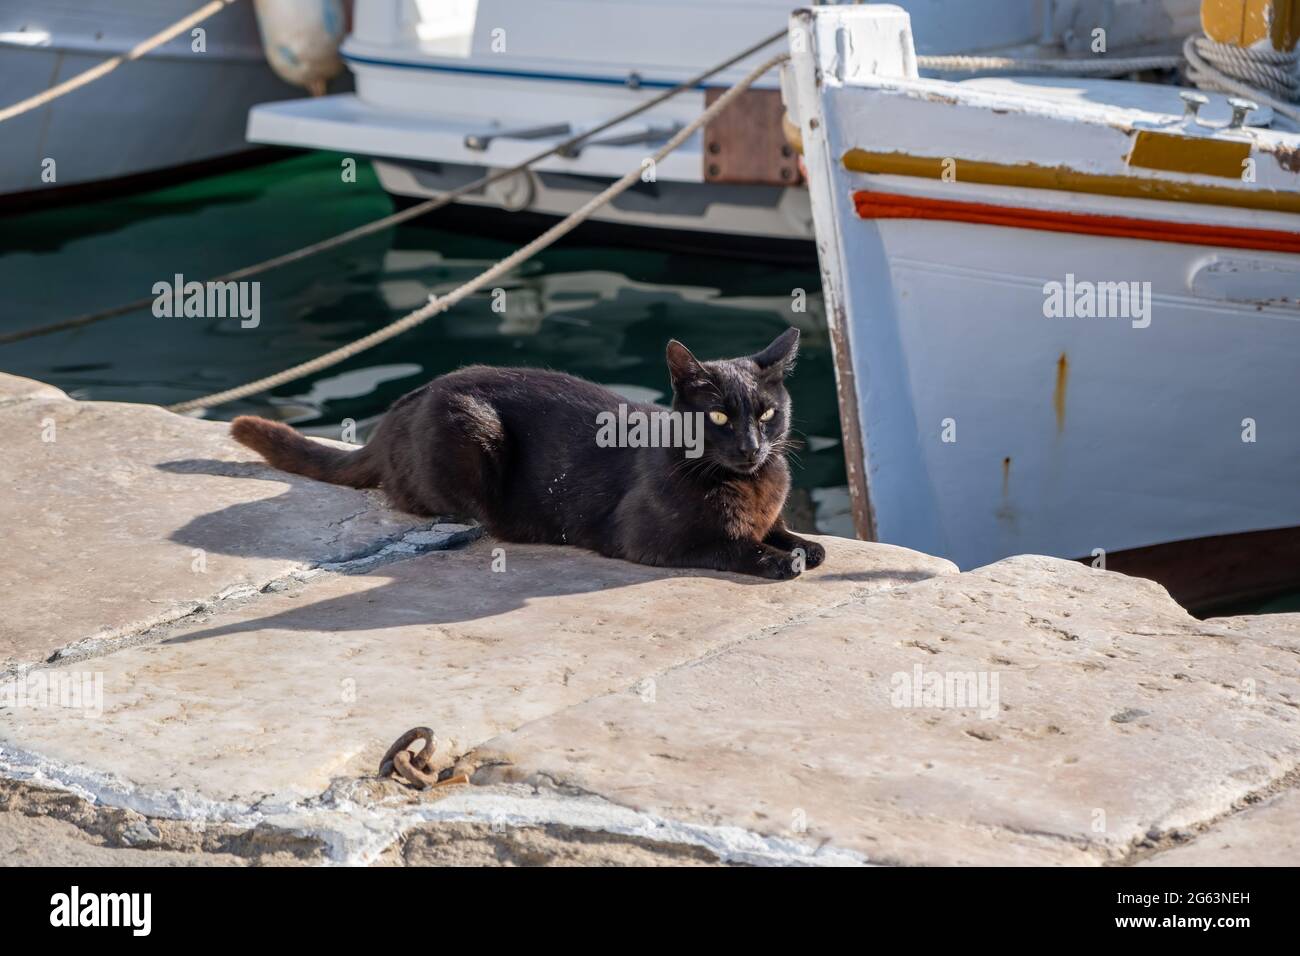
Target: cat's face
(744, 404)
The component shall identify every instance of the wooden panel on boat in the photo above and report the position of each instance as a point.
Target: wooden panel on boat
(745, 143)
(1246, 22)
(1205, 155)
(1206, 573)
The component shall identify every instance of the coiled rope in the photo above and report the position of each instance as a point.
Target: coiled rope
(109, 65)
(443, 303)
(402, 216)
(1262, 74)
(1265, 75)
(1066, 66)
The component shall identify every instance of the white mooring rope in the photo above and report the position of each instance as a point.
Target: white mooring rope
(109, 65)
(443, 303)
(1249, 72)
(404, 215)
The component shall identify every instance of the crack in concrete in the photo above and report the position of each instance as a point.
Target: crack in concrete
(1158, 841)
(342, 827)
(411, 543)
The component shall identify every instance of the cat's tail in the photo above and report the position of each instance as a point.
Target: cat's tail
(287, 450)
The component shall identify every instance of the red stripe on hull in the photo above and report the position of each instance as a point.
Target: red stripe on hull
(874, 205)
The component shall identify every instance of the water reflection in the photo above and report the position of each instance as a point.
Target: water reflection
(599, 312)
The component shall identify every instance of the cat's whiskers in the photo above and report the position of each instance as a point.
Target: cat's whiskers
(684, 467)
(786, 446)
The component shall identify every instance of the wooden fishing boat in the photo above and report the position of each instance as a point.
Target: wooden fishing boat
(1066, 313)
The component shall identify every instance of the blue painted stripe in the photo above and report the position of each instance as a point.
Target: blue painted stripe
(517, 74)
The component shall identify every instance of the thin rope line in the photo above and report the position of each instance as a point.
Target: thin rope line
(442, 303)
(397, 218)
(1073, 66)
(109, 65)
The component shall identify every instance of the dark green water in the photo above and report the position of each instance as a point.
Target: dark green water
(602, 313)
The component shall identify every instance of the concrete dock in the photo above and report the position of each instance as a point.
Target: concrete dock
(202, 661)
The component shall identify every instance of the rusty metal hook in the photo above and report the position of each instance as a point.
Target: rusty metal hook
(387, 766)
(416, 769)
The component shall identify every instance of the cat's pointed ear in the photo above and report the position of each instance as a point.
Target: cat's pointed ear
(682, 365)
(778, 358)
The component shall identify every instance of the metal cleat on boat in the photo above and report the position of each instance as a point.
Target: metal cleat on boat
(651, 134)
(479, 142)
(1192, 103)
(1241, 108)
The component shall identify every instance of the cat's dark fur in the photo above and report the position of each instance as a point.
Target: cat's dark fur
(516, 449)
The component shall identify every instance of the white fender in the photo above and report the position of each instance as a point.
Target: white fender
(301, 39)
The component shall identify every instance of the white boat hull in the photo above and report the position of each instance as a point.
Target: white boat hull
(429, 74)
(420, 158)
(174, 107)
(984, 418)
(1071, 434)
(719, 211)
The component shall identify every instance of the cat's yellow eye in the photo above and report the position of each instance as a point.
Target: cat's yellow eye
(718, 418)
(767, 415)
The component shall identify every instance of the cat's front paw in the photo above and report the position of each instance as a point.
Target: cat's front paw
(813, 553)
(780, 567)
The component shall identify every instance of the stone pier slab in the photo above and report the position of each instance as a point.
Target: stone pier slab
(258, 640)
(1266, 834)
(15, 388)
(273, 700)
(119, 517)
(1116, 719)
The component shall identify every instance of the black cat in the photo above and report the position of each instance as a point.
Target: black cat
(528, 453)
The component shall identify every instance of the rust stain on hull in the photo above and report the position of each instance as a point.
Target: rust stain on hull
(1288, 158)
(1058, 397)
(1006, 514)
